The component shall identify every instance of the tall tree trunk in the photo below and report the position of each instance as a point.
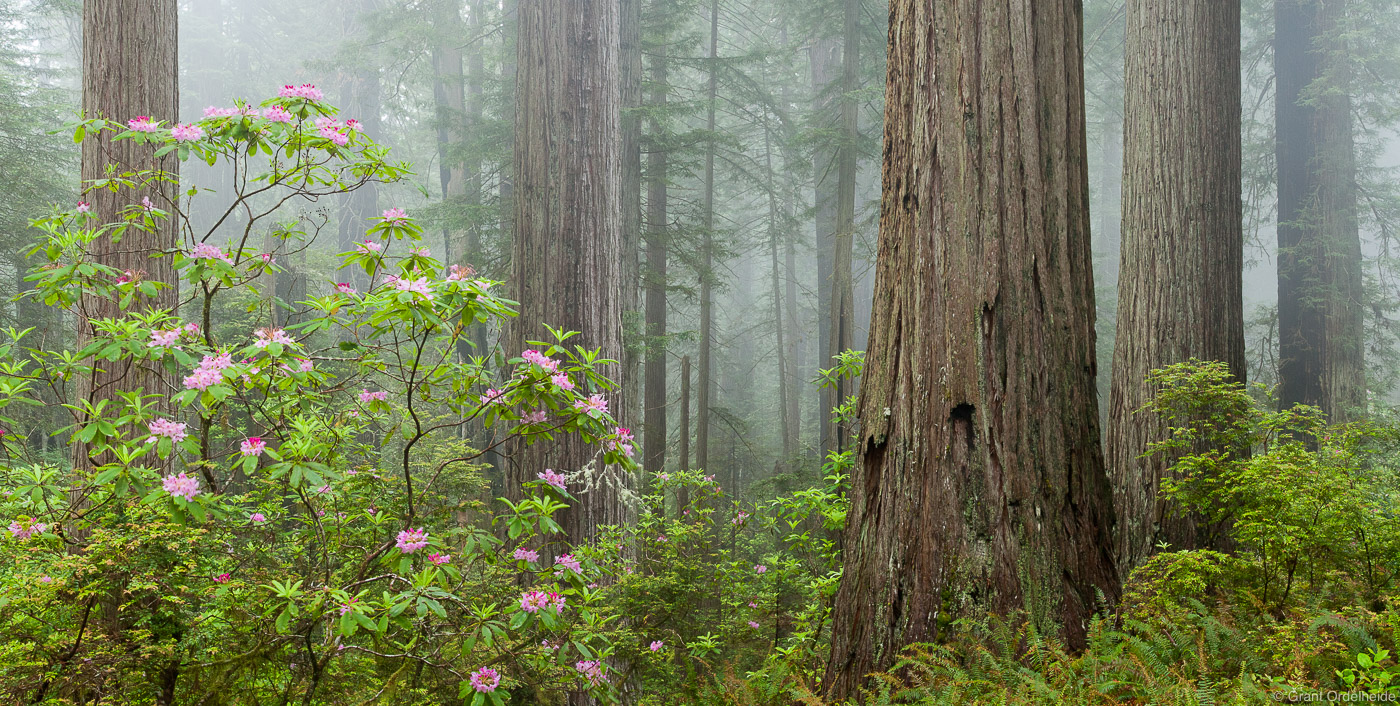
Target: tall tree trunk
(823, 57)
(842, 306)
(654, 421)
(707, 257)
(979, 482)
(1180, 288)
(129, 69)
(1321, 336)
(775, 229)
(630, 72)
(567, 250)
(683, 498)
(360, 99)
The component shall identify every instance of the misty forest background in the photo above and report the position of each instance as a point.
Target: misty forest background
(767, 211)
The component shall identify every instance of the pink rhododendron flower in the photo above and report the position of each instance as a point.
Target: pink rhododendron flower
(536, 417)
(267, 336)
(181, 486)
(656, 645)
(305, 90)
(621, 440)
(216, 112)
(267, 258)
(594, 403)
(569, 562)
(345, 288)
(187, 133)
(460, 272)
(418, 286)
(530, 555)
(552, 478)
(562, 380)
(84, 207)
(323, 489)
(663, 476)
(753, 604)
(352, 124)
(760, 569)
(366, 396)
(411, 540)
(221, 578)
(45, 579)
(485, 680)
(590, 669)
(142, 123)
(439, 558)
(257, 518)
(175, 431)
(165, 339)
(209, 251)
(534, 601)
(492, 396)
(395, 216)
(740, 518)
(368, 246)
(422, 252)
(535, 357)
(277, 114)
(146, 203)
(753, 624)
(25, 531)
(348, 606)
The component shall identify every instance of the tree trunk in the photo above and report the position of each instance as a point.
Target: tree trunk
(775, 229)
(1180, 287)
(842, 306)
(1321, 336)
(683, 498)
(979, 483)
(630, 72)
(567, 250)
(823, 57)
(129, 69)
(360, 99)
(707, 257)
(654, 422)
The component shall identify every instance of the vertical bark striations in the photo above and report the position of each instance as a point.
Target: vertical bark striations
(567, 250)
(979, 482)
(1180, 291)
(654, 419)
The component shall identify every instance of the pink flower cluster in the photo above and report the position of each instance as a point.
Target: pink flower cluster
(590, 669)
(221, 578)
(368, 246)
(485, 680)
(760, 569)
(621, 440)
(492, 396)
(439, 558)
(267, 336)
(536, 417)
(175, 431)
(142, 123)
(411, 540)
(252, 446)
(533, 601)
(277, 114)
(460, 272)
(418, 286)
(330, 128)
(740, 518)
(535, 357)
(209, 251)
(305, 90)
(367, 397)
(210, 372)
(345, 288)
(656, 645)
(187, 132)
(594, 403)
(552, 478)
(25, 531)
(169, 338)
(181, 486)
(217, 112)
(562, 380)
(569, 562)
(395, 217)
(530, 555)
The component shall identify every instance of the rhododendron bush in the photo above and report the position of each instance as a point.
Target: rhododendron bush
(298, 511)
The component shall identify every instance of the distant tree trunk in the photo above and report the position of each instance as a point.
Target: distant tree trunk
(683, 499)
(654, 421)
(979, 482)
(775, 229)
(450, 99)
(707, 257)
(842, 306)
(630, 72)
(129, 69)
(1321, 336)
(359, 99)
(1180, 287)
(823, 57)
(567, 250)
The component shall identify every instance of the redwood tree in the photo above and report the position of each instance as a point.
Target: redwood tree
(1180, 291)
(567, 248)
(979, 482)
(130, 69)
(1320, 325)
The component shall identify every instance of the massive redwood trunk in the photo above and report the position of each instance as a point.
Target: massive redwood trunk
(657, 237)
(1179, 285)
(130, 69)
(1320, 295)
(979, 482)
(567, 251)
